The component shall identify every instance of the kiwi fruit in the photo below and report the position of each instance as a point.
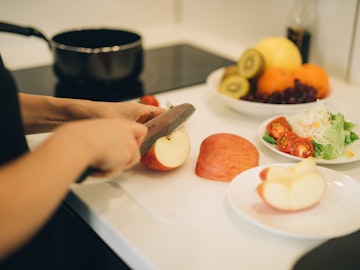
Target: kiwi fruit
(234, 86)
(229, 71)
(251, 63)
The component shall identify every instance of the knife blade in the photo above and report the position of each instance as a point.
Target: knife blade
(158, 127)
(165, 123)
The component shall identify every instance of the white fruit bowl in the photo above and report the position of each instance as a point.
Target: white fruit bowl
(257, 109)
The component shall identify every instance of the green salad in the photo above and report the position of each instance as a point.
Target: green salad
(331, 135)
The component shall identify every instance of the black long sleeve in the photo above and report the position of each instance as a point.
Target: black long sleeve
(12, 135)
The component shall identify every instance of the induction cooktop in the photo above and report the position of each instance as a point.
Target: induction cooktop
(165, 68)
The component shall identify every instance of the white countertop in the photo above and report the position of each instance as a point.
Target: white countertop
(176, 220)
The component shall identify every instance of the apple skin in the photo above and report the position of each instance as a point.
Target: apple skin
(222, 156)
(292, 189)
(263, 173)
(168, 152)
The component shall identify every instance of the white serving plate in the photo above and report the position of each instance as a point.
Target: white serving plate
(257, 109)
(340, 160)
(335, 215)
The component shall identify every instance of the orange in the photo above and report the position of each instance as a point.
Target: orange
(315, 76)
(275, 79)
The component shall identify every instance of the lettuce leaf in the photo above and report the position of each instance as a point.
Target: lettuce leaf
(268, 138)
(339, 135)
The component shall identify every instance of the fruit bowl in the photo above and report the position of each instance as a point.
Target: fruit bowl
(252, 108)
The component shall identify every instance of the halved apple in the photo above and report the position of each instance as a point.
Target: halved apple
(168, 152)
(292, 189)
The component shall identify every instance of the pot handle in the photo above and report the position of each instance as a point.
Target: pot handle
(22, 30)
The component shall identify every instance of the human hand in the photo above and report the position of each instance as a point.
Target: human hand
(133, 111)
(44, 113)
(137, 111)
(110, 144)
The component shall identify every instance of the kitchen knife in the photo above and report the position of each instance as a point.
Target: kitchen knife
(159, 126)
(165, 123)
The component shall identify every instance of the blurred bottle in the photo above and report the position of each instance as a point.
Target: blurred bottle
(301, 25)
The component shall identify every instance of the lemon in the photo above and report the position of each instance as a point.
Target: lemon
(279, 52)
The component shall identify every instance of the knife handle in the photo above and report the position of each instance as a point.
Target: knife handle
(89, 171)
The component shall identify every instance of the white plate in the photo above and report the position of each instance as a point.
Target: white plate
(341, 160)
(261, 110)
(337, 213)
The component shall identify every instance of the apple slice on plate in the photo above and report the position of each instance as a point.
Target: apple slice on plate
(168, 152)
(292, 189)
(274, 173)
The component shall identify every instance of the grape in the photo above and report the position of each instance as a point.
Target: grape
(300, 93)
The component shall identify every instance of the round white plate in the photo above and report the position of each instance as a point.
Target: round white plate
(261, 110)
(341, 160)
(337, 213)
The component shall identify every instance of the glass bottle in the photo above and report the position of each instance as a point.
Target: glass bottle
(301, 25)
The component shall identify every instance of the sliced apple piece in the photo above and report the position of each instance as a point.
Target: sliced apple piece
(168, 152)
(306, 191)
(293, 194)
(275, 173)
(295, 188)
(307, 165)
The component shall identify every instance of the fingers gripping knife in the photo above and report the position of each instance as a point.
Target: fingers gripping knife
(159, 126)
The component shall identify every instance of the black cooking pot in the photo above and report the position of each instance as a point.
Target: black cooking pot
(91, 55)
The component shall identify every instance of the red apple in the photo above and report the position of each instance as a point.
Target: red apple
(168, 152)
(223, 156)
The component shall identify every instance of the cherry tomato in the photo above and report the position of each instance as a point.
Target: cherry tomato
(285, 140)
(278, 126)
(149, 100)
(302, 147)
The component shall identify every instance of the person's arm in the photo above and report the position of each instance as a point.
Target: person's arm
(44, 113)
(33, 185)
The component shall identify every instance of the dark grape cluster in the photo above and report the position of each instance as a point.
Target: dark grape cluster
(300, 93)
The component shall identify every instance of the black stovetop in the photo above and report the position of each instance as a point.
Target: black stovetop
(165, 68)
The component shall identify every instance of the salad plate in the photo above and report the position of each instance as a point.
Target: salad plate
(318, 222)
(256, 109)
(273, 147)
